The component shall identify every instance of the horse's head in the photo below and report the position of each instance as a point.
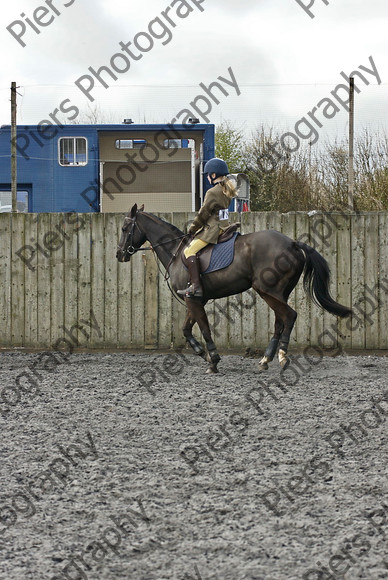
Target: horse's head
(132, 238)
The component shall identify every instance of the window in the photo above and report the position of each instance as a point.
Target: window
(6, 201)
(130, 143)
(73, 151)
(179, 143)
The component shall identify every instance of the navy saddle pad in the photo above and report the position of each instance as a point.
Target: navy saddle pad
(222, 255)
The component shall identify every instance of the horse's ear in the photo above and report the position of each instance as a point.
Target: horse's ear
(133, 211)
(142, 208)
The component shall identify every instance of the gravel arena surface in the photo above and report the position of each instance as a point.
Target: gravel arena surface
(141, 466)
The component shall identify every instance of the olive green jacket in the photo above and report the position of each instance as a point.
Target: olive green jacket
(210, 218)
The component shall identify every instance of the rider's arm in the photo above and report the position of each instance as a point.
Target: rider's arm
(205, 212)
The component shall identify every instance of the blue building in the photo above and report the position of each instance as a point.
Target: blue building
(106, 168)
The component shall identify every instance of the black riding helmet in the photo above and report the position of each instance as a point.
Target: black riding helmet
(217, 166)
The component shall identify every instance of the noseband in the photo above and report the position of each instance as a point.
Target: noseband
(131, 250)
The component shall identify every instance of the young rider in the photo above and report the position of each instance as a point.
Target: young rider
(210, 222)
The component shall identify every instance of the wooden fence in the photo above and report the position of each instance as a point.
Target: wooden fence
(59, 275)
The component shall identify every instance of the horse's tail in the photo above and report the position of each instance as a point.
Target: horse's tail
(316, 281)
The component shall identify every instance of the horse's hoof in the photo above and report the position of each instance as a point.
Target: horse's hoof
(213, 359)
(263, 367)
(285, 363)
(212, 370)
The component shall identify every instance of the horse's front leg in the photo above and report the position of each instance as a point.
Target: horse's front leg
(196, 313)
(187, 332)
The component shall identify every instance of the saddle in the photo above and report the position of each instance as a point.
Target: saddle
(217, 256)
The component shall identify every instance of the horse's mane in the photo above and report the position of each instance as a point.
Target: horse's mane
(173, 228)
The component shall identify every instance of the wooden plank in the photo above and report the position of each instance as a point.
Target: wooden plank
(371, 280)
(58, 305)
(84, 281)
(31, 283)
(138, 301)
(383, 283)
(111, 236)
(17, 281)
(344, 281)
(44, 283)
(357, 241)
(97, 275)
(124, 297)
(151, 295)
(6, 279)
(69, 329)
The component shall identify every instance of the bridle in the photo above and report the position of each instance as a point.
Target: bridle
(131, 250)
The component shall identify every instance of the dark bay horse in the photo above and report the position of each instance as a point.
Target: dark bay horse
(267, 261)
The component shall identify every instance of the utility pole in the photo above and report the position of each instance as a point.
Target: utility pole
(14, 180)
(351, 145)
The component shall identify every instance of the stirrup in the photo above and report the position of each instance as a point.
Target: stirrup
(192, 292)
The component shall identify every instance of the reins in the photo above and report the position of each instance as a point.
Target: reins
(131, 250)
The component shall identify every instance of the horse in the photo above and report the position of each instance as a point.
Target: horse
(267, 261)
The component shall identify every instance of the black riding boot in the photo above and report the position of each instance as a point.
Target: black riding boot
(195, 289)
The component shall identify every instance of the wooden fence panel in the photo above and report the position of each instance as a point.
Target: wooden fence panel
(58, 242)
(383, 280)
(31, 283)
(49, 297)
(357, 241)
(370, 277)
(44, 281)
(124, 298)
(344, 280)
(97, 275)
(84, 283)
(17, 281)
(70, 289)
(112, 227)
(6, 253)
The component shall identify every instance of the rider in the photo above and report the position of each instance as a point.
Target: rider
(210, 222)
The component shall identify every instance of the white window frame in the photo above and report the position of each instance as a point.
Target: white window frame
(75, 164)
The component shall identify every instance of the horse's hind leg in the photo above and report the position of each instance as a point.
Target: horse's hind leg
(196, 313)
(187, 331)
(285, 318)
(290, 318)
(273, 344)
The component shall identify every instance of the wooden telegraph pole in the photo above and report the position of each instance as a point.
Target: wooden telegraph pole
(13, 149)
(351, 146)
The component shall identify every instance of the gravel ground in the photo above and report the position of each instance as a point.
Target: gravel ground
(141, 466)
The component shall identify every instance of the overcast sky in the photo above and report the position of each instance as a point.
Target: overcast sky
(284, 61)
